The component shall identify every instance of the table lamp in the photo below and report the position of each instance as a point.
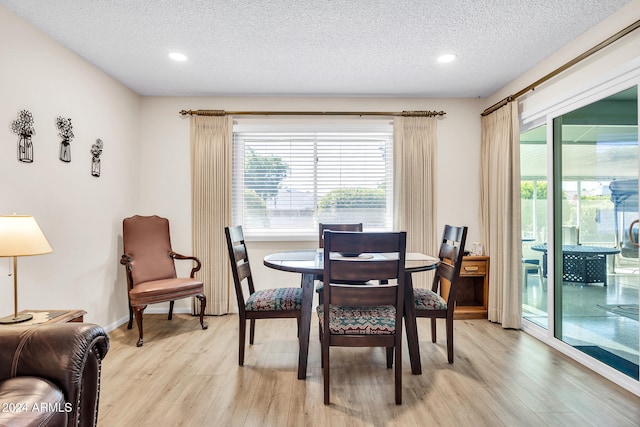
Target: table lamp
(20, 236)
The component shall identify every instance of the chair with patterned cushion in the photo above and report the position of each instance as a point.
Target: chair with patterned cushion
(150, 268)
(261, 304)
(439, 301)
(363, 315)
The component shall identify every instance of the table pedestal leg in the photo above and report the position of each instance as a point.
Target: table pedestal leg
(411, 327)
(305, 324)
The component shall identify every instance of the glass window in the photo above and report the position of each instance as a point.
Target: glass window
(596, 169)
(288, 182)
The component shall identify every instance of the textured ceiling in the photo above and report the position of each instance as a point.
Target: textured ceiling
(314, 47)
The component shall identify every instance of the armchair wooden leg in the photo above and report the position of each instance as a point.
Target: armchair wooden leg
(203, 305)
(138, 313)
(389, 357)
(130, 324)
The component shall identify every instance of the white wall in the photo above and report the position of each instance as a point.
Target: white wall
(166, 182)
(80, 215)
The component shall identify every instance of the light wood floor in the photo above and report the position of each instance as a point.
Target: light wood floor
(186, 376)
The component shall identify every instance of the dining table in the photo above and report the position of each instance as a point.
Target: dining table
(310, 264)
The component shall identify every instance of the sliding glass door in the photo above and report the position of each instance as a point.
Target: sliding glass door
(581, 269)
(595, 256)
(534, 207)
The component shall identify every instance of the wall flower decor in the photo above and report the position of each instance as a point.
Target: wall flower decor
(96, 151)
(65, 131)
(24, 128)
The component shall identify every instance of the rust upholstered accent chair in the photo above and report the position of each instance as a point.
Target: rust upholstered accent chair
(50, 374)
(261, 304)
(439, 301)
(151, 272)
(367, 315)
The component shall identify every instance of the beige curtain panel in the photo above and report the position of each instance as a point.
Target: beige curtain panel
(414, 180)
(211, 157)
(500, 213)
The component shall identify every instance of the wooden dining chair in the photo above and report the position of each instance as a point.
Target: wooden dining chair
(439, 301)
(253, 304)
(355, 227)
(150, 269)
(363, 315)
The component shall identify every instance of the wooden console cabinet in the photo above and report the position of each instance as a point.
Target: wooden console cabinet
(473, 289)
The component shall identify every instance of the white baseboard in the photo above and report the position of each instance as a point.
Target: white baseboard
(157, 310)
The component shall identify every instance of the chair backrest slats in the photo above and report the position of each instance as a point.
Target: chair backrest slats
(388, 266)
(239, 259)
(244, 271)
(240, 252)
(356, 270)
(450, 255)
(351, 295)
(336, 227)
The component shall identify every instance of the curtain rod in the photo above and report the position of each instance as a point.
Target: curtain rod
(588, 53)
(311, 113)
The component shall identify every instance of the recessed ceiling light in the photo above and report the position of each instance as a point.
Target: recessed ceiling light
(177, 56)
(446, 58)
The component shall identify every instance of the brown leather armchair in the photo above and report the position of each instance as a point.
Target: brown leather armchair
(50, 374)
(151, 273)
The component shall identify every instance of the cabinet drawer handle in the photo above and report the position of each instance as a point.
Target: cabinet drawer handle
(474, 268)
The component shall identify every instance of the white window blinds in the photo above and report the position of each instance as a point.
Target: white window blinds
(288, 182)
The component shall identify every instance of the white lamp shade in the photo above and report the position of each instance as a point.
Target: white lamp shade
(20, 235)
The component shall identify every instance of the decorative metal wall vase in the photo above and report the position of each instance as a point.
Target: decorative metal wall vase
(65, 131)
(25, 149)
(95, 166)
(96, 151)
(23, 127)
(65, 151)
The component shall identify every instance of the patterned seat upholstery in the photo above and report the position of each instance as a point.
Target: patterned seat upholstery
(320, 285)
(275, 299)
(426, 299)
(377, 320)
